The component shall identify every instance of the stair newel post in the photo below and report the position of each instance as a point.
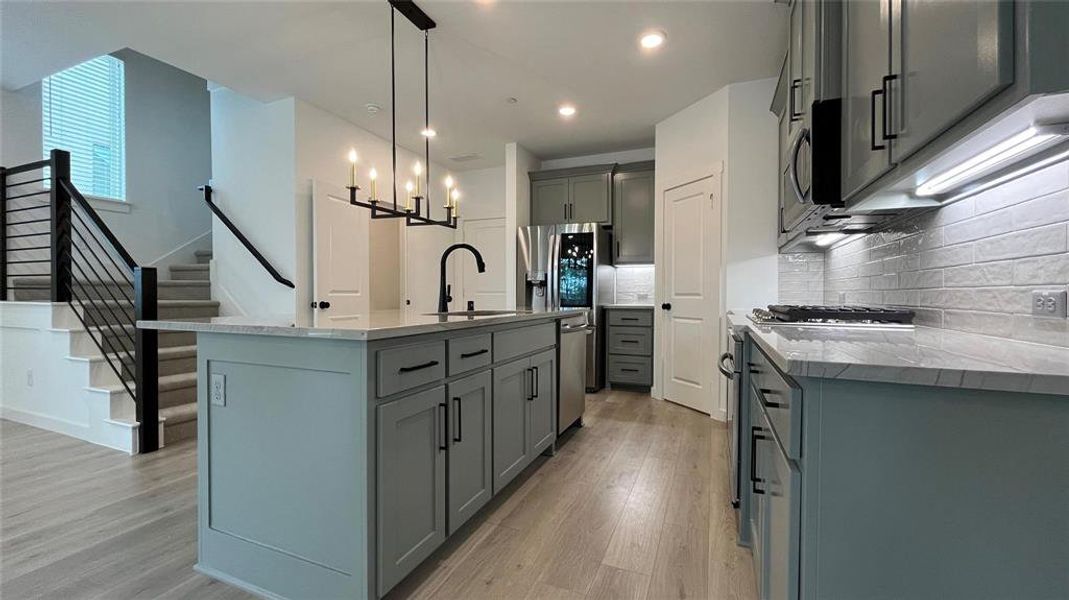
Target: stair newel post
(146, 356)
(60, 172)
(3, 234)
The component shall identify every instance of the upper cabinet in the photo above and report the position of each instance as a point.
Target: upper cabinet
(633, 209)
(579, 195)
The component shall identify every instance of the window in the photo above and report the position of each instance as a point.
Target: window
(82, 112)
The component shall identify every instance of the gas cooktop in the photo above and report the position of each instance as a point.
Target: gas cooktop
(850, 316)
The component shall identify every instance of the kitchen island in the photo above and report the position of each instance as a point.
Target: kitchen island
(333, 461)
(924, 463)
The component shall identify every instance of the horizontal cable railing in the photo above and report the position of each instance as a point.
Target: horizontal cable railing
(207, 189)
(55, 247)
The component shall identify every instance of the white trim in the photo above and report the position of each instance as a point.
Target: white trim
(184, 247)
(109, 204)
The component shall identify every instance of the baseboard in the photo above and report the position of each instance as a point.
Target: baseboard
(184, 253)
(46, 422)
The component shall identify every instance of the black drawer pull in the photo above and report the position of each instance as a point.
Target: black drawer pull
(420, 367)
(766, 402)
(754, 479)
(471, 354)
(628, 319)
(628, 341)
(629, 370)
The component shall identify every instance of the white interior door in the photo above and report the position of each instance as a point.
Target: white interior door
(690, 329)
(423, 247)
(486, 289)
(339, 256)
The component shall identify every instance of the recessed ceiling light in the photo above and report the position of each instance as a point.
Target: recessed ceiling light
(428, 132)
(566, 110)
(652, 39)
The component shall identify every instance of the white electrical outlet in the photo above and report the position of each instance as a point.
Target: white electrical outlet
(217, 389)
(1049, 303)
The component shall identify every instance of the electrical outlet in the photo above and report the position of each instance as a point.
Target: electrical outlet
(1049, 303)
(217, 387)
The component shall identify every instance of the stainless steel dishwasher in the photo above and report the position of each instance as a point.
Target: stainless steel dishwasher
(573, 345)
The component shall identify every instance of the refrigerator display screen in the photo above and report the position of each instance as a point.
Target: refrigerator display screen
(576, 270)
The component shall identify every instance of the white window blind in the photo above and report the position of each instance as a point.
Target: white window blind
(82, 112)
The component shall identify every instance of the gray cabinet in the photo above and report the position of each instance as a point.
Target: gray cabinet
(795, 66)
(947, 58)
(411, 447)
(470, 444)
(866, 63)
(510, 439)
(549, 202)
(629, 346)
(542, 424)
(632, 221)
(576, 195)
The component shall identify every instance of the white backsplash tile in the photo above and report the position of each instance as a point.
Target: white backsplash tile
(634, 285)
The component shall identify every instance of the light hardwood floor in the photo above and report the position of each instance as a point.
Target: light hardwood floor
(634, 505)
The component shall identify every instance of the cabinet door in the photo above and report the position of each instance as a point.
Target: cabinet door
(541, 420)
(411, 483)
(948, 58)
(589, 198)
(808, 91)
(632, 219)
(754, 482)
(866, 60)
(783, 482)
(512, 387)
(549, 202)
(795, 67)
(470, 450)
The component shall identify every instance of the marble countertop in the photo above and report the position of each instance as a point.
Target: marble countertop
(376, 325)
(924, 356)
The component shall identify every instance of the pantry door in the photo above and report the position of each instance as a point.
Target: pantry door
(339, 257)
(690, 301)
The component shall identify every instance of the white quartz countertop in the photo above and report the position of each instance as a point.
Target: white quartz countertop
(924, 356)
(376, 325)
(631, 306)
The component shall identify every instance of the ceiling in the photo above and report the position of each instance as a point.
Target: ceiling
(336, 55)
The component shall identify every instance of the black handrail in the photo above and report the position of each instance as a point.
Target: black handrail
(207, 189)
(77, 238)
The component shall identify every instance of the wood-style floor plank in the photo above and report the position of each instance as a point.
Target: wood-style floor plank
(633, 506)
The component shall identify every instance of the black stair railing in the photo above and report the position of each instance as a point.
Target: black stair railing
(54, 246)
(266, 264)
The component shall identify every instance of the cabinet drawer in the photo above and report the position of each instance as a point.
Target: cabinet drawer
(780, 398)
(469, 353)
(630, 340)
(407, 367)
(631, 318)
(779, 483)
(630, 370)
(517, 342)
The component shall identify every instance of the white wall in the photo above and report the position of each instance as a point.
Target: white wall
(168, 154)
(483, 192)
(623, 157)
(518, 162)
(732, 125)
(253, 174)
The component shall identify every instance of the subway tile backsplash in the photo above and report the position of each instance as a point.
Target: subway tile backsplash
(801, 278)
(970, 266)
(633, 284)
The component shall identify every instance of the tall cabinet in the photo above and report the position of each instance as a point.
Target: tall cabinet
(633, 210)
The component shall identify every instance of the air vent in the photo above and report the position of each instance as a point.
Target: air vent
(465, 157)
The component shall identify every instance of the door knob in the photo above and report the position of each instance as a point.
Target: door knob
(666, 306)
(324, 305)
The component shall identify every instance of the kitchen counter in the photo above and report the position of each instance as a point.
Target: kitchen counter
(923, 356)
(626, 306)
(377, 325)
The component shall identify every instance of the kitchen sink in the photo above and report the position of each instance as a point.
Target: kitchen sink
(472, 313)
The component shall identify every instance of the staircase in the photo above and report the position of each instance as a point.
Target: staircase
(186, 295)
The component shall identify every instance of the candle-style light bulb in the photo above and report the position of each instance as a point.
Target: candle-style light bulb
(455, 196)
(408, 194)
(352, 167)
(373, 175)
(448, 192)
(418, 170)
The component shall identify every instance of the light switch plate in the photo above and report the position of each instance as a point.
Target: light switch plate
(1049, 303)
(217, 389)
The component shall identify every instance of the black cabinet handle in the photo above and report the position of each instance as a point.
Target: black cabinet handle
(534, 381)
(475, 353)
(796, 84)
(887, 104)
(528, 384)
(629, 370)
(459, 436)
(628, 318)
(443, 409)
(754, 479)
(628, 341)
(767, 392)
(420, 367)
(872, 120)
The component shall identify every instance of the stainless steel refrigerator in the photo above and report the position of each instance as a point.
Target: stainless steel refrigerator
(563, 265)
